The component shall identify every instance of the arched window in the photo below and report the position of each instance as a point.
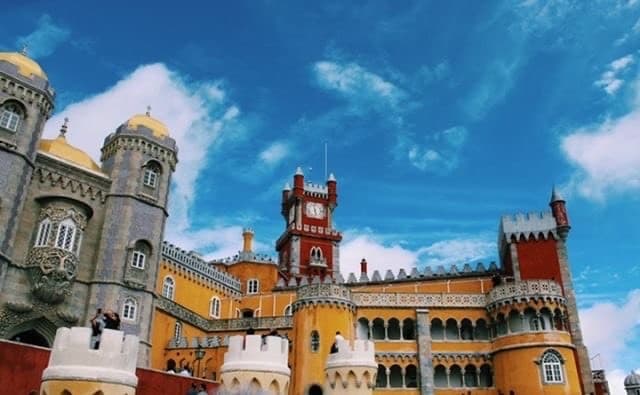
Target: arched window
(395, 376)
(10, 117)
(377, 329)
(168, 287)
(381, 380)
(466, 329)
(486, 378)
(138, 259)
(43, 233)
(440, 377)
(455, 376)
(288, 310)
(316, 254)
(501, 325)
(481, 330)
(151, 175)
(515, 321)
(411, 376)
(408, 329)
(129, 310)
(214, 307)
(470, 376)
(253, 286)
(451, 330)
(393, 330)
(177, 331)
(552, 367)
(66, 235)
(363, 328)
(315, 341)
(437, 329)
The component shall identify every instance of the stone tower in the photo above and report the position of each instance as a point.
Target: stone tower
(256, 366)
(315, 333)
(139, 158)
(352, 370)
(76, 369)
(26, 101)
(309, 245)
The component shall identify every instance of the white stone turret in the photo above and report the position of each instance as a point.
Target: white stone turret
(352, 370)
(254, 365)
(78, 369)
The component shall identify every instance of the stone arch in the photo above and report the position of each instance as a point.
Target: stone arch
(411, 376)
(377, 329)
(486, 377)
(440, 377)
(393, 329)
(395, 376)
(40, 329)
(515, 321)
(470, 376)
(352, 380)
(254, 385)
(315, 389)
(466, 329)
(455, 376)
(547, 318)
(451, 329)
(366, 379)
(235, 384)
(481, 331)
(437, 329)
(408, 329)
(274, 387)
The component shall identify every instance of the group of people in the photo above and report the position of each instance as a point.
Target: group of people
(101, 321)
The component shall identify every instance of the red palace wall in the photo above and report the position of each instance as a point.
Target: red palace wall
(538, 259)
(21, 367)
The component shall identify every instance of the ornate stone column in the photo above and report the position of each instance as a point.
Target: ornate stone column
(425, 360)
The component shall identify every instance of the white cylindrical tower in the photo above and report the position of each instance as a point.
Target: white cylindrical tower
(255, 365)
(352, 370)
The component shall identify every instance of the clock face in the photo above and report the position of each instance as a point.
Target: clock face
(314, 210)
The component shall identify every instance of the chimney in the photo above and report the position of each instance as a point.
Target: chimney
(247, 237)
(363, 266)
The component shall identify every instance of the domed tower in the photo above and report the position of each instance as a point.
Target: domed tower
(632, 383)
(352, 369)
(320, 310)
(26, 102)
(140, 158)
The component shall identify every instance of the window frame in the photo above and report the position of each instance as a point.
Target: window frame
(551, 367)
(138, 259)
(253, 286)
(130, 310)
(66, 235)
(177, 331)
(214, 307)
(14, 115)
(168, 291)
(44, 231)
(314, 341)
(150, 177)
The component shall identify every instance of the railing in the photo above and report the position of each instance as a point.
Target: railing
(525, 289)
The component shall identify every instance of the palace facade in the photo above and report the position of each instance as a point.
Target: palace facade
(76, 235)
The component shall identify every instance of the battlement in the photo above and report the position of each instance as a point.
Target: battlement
(194, 262)
(426, 273)
(316, 190)
(244, 256)
(536, 225)
(72, 358)
(255, 354)
(360, 353)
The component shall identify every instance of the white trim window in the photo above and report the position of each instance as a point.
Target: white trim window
(552, 367)
(43, 233)
(138, 259)
(177, 331)
(10, 117)
(168, 287)
(288, 310)
(66, 235)
(129, 310)
(214, 307)
(150, 178)
(253, 286)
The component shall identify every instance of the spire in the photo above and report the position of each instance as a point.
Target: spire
(23, 51)
(331, 177)
(555, 195)
(64, 127)
(299, 171)
(148, 111)
(286, 187)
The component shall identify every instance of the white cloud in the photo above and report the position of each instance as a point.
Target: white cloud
(611, 80)
(378, 255)
(438, 153)
(362, 88)
(606, 156)
(274, 153)
(45, 39)
(382, 256)
(492, 87)
(457, 251)
(608, 330)
(195, 113)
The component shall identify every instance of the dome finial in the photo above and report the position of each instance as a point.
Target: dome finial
(64, 127)
(148, 111)
(25, 47)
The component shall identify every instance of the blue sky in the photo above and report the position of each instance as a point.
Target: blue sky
(439, 118)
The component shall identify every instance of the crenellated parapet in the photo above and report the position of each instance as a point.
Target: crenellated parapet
(256, 365)
(75, 367)
(352, 369)
(323, 294)
(427, 273)
(537, 225)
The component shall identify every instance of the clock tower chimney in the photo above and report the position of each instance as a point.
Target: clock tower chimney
(309, 246)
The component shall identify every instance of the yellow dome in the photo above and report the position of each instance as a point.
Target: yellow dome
(26, 66)
(157, 127)
(60, 148)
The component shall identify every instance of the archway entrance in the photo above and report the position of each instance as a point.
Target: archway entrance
(315, 390)
(31, 337)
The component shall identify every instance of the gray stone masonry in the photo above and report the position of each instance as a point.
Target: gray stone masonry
(424, 352)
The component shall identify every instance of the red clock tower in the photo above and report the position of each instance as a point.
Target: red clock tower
(309, 245)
